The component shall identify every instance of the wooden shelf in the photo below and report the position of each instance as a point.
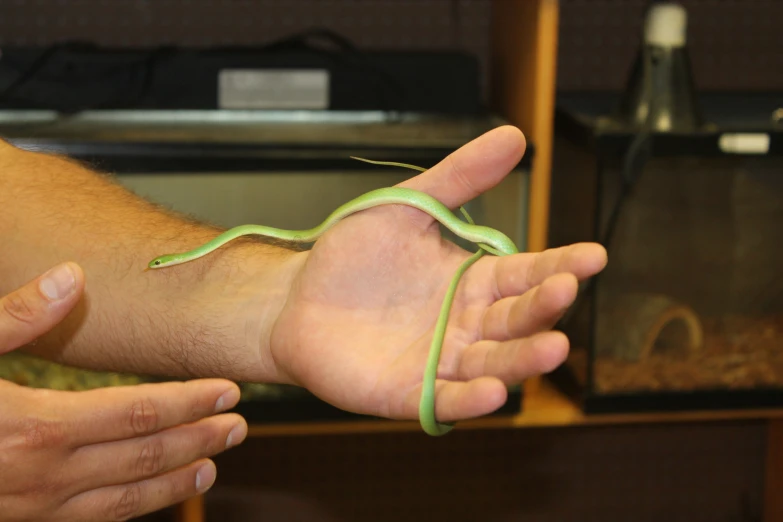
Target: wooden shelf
(544, 406)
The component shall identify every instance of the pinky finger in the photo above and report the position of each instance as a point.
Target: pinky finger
(126, 501)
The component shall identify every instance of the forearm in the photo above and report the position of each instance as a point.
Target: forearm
(192, 319)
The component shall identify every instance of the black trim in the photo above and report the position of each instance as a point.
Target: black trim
(578, 117)
(710, 400)
(161, 157)
(308, 408)
(664, 401)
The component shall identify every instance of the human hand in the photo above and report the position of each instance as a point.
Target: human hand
(105, 454)
(357, 324)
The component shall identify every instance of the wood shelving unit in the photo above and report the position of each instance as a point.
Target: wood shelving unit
(524, 62)
(544, 407)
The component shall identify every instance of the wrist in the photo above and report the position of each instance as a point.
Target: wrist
(243, 294)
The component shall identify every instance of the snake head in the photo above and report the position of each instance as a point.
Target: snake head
(163, 261)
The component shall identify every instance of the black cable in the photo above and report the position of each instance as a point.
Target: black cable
(39, 63)
(148, 72)
(636, 157)
(639, 152)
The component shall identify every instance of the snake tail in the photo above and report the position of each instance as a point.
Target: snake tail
(427, 417)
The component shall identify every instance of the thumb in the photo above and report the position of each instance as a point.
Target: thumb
(474, 168)
(38, 306)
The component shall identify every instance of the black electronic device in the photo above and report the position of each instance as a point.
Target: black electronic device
(313, 70)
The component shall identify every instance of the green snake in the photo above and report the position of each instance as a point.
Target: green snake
(488, 239)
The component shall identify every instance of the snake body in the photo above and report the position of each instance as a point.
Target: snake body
(488, 239)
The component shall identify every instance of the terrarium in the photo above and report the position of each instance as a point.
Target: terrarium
(688, 313)
(684, 188)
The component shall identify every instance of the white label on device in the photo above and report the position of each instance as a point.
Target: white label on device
(273, 89)
(744, 143)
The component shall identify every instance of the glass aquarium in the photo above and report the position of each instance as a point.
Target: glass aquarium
(688, 313)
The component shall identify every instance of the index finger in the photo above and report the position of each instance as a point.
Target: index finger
(518, 273)
(123, 412)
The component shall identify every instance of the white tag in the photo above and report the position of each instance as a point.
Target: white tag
(273, 89)
(744, 143)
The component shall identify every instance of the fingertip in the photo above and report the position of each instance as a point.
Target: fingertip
(496, 393)
(79, 276)
(560, 289)
(224, 392)
(61, 286)
(206, 475)
(78, 272)
(465, 400)
(228, 399)
(593, 257)
(484, 395)
(513, 136)
(494, 153)
(238, 433)
(600, 255)
(550, 299)
(552, 350)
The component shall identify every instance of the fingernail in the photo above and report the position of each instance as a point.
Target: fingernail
(58, 282)
(236, 435)
(227, 400)
(205, 477)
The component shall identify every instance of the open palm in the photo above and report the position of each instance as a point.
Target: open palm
(358, 322)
